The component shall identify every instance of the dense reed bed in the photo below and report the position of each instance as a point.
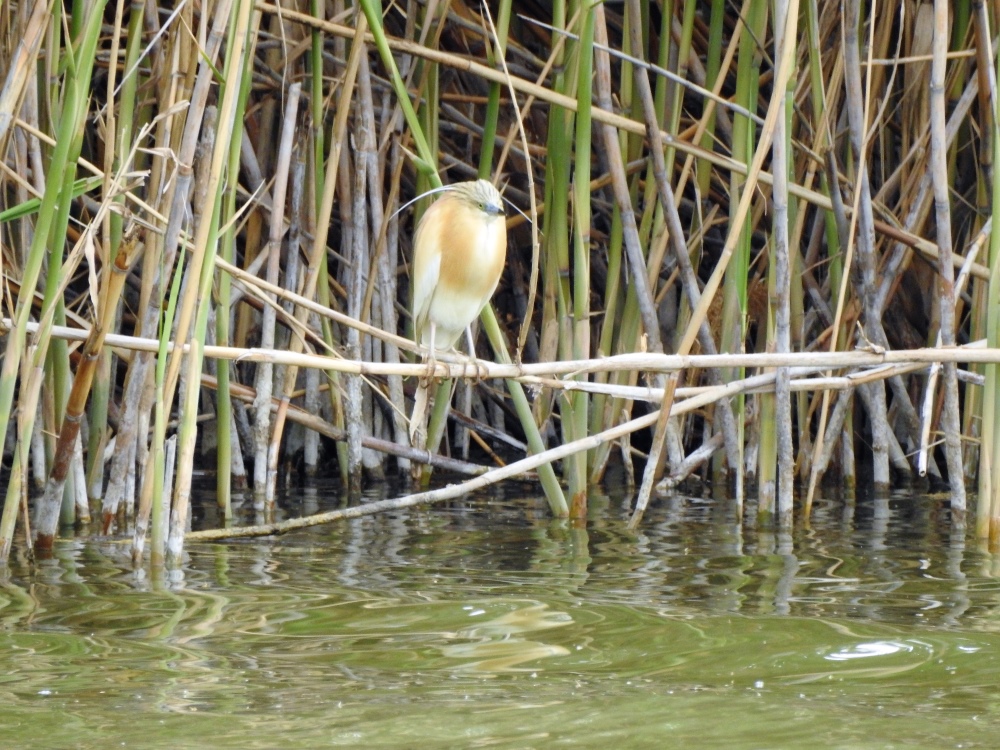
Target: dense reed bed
(751, 243)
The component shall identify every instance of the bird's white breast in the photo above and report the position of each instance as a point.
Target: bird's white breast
(467, 283)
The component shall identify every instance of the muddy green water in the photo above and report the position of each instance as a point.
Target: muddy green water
(486, 624)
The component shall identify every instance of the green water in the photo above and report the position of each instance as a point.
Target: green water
(486, 624)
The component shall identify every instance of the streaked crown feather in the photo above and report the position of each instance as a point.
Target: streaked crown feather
(480, 193)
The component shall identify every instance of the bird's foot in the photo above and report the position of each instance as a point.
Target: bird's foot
(482, 370)
(429, 376)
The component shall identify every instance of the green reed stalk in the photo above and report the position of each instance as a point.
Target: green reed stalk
(555, 230)
(316, 8)
(58, 368)
(972, 404)
(152, 502)
(579, 402)
(97, 419)
(430, 127)
(493, 103)
(683, 53)
(734, 305)
(652, 215)
(223, 400)
(424, 157)
(713, 65)
(318, 149)
(602, 413)
(835, 265)
(988, 510)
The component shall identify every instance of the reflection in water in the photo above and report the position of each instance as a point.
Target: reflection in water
(497, 645)
(487, 623)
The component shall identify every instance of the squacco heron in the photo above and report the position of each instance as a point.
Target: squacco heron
(458, 255)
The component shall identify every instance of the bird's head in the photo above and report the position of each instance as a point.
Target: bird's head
(480, 194)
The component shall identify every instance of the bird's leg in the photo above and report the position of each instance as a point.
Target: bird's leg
(431, 358)
(418, 420)
(481, 370)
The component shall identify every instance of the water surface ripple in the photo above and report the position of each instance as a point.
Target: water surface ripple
(487, 624)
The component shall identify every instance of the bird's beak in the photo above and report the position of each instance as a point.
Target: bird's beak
(495, 210)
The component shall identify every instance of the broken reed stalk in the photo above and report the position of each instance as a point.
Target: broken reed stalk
(802, 365)
(450, 366)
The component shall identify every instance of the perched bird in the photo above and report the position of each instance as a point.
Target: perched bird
(458, 255)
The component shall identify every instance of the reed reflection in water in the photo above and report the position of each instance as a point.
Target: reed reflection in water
(487, 622)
